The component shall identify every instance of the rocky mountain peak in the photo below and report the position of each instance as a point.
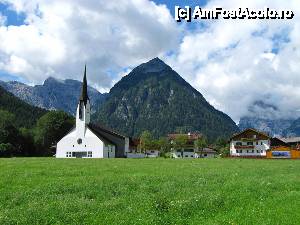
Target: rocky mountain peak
(52, 80)
(152, 66)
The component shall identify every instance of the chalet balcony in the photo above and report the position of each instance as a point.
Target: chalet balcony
(244, 146)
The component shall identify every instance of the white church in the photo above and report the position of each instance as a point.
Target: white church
(87, 140)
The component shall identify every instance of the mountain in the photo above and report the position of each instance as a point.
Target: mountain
(154, 97)
(273, 127)
(25, 114)
(293, 130)
(265, 117)
(53, 94)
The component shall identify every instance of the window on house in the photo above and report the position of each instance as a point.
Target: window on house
(79, 141)
(178, 155)
(252, 151)
(90, 154)
(247, 151)
(73, 154)
(249, 143)
(192, 156)
(186, 156)
(257, 143)
(257, 151)
(239, 143)
(205, 155)
(68, 154)
(261, 151)
(261, 143)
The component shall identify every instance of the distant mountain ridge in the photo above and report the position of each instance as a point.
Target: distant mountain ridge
(151, 97)
(154, 97)
(273, 127)
(25, 114)
(267, 118)
(53, 94)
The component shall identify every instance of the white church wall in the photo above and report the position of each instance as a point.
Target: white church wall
(89, 143)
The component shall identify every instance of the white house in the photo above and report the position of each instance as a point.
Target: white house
(249, 143)
(87, 140)
(205, 153)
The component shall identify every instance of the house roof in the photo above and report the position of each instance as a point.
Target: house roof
(290, 139)
(250, 129)
(101, 127)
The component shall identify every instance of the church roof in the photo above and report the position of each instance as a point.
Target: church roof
(84, 94)
(102, 129)
(100, 136)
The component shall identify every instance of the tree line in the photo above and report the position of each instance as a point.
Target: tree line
(39, 140)
(179, 143)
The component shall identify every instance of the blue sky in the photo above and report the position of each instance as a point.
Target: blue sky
(12, 18)
(218, 58)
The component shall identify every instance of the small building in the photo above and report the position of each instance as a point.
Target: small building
(205, 153)
(291, 141)
(283, 152)
(189, 150)
(249, 143)
(87, 140)
(135, 153)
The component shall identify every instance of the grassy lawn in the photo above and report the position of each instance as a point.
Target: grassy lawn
(149, 191)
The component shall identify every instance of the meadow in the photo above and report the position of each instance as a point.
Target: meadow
(149, 191)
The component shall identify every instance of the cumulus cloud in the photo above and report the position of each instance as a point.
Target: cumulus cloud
(59, 36)
(2, 20)
(235, 63)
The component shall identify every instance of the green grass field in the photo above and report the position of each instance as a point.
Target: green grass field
(149, 191)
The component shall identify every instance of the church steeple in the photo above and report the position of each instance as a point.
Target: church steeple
(84, 95)
(83, 108)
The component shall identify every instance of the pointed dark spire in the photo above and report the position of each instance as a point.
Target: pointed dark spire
(84, 95)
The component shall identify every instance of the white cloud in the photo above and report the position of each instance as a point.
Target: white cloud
(233, 62)
(59, 36)
(2, 19)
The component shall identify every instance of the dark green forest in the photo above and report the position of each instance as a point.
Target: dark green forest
(26, 130)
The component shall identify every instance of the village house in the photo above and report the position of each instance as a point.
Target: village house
(87, 140)
(134, 152)
(205, 153)
(284, 148)
(190, 150)
(249, 143)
